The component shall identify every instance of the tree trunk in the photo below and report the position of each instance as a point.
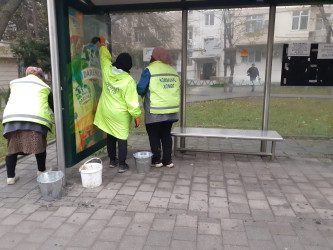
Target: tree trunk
(6, 13)
(225, 44)
(329, 30)
(26, 15)
(34, 16)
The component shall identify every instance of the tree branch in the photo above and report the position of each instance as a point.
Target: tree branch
(6, 13)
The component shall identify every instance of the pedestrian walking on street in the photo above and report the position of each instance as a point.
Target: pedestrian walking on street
(160, 87)
(27, 120)
(118, 104)
(253, 72)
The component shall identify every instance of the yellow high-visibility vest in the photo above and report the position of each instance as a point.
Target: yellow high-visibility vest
(164, 88)
(28, 101)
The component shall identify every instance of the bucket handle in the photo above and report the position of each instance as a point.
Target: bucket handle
(94, 158)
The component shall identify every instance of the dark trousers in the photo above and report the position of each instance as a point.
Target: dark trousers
(112, 149)
(160, 133)
(252, 87)
(11, 161)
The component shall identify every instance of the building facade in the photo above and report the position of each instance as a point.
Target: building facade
(8, 66)
(227, 42)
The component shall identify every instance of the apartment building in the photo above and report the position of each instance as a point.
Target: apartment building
(219, 40)
(8, 66)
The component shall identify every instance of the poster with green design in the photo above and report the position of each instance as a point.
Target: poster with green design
(86, 76)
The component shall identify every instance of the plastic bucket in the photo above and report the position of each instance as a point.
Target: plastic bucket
(50, 184)
(143, 162)
(91, 173)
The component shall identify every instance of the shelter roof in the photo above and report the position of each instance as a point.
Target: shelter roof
(93, 6)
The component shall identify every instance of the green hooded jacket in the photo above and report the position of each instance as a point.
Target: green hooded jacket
(119, 101)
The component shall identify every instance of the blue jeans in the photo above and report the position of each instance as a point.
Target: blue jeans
(252, 85)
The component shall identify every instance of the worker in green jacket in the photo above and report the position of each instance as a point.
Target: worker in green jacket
(117, 105)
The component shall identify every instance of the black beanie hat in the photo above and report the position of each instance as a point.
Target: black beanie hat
(124, 62)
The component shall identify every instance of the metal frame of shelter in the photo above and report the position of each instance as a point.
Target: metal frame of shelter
(59, 33)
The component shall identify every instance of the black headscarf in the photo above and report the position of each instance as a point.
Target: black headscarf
(124, 62)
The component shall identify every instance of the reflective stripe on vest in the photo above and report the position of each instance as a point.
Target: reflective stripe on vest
(164, 89)
(37, 83)
(23, 116)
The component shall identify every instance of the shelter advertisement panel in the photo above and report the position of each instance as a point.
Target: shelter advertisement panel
(86, 77)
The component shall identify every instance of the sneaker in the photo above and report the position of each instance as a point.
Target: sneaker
(170, 165)
(123, 168)
(40, 172)
(114, 163)
(157, 164)
(11, 181)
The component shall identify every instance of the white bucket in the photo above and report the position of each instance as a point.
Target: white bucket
(91, 173)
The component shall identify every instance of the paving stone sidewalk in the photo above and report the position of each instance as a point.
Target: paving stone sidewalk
(207, 201)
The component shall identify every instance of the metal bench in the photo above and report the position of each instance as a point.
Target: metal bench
(262, 135)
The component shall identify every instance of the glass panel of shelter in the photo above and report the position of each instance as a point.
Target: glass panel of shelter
(301, 107)
(218, 88)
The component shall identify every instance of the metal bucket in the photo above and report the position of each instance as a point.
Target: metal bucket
(143, 162)
(50, 184)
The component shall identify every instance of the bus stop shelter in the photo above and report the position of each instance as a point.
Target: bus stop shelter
(63, 43)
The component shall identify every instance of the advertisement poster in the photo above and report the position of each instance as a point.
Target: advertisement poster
(325, 51)
(86, 79)
(299, 49)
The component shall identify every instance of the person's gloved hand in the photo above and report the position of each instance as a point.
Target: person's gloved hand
(137, 122)
(102, 41)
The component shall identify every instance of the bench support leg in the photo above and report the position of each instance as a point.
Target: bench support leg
(273, 150)
(175, 146)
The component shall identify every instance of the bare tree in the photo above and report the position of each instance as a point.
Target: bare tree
(132, 32)
(232, 21)
(28, 21)
(29, 35)
(6, 12)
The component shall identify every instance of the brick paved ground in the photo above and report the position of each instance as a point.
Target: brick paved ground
(208, 201)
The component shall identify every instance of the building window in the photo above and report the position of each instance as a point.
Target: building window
(254, 23)
(189, 58)
(140, 34)
(253, 56)
(320, 22)
(229, 30)
(163, 34)
(212, 46)
(11, 26)
(190, 32)
(300, 20)
(209, 18)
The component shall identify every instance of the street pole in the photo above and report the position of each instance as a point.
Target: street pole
(268, 72)
(183, 74)
(54, 51)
